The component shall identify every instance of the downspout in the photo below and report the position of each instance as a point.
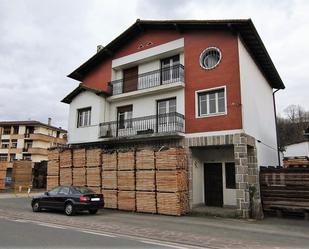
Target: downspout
(276, 122)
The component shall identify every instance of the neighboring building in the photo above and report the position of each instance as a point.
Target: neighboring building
(297, 149)
(204, 85)
(29, 140)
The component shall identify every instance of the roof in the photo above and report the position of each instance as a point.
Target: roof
(30, 123)
(244, 27)
(81, 88)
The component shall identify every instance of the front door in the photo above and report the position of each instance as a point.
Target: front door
(213, 184)
(130, 78)
(170, 71)
(166, 115)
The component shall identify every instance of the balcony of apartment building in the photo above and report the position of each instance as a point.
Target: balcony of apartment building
(167, 125)
(168, 74)
(44, 138)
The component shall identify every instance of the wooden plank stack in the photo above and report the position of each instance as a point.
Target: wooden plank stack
(3, 166)
(22, 174)
(172, 203)
(171, 159)
(145, 180)
(126, 160)
(172, 180)
(79, 167)
(302, 161)
(146, 202)
(93, 169)
(65, 169)
(110, 179)
(145, 160)
(66, 159)
(285, 189)
(126, 200)
(53, 169)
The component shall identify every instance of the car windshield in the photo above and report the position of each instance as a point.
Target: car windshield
(83, 190)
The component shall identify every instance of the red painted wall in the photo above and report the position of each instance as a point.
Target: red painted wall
(196, 78)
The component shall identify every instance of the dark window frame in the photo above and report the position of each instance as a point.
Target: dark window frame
(230, 175)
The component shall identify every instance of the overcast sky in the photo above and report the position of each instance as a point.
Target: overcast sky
(43, 41)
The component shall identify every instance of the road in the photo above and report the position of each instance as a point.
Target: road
(206, 232)
(25, 234)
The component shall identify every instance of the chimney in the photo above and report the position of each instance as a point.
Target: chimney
(49, 121)
(99, 48)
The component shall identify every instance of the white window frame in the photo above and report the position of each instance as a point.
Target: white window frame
(83, 110)
(205, 91)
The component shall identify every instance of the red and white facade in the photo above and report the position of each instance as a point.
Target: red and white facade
(149, 85)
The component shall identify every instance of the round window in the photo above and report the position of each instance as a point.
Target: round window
(210, 58)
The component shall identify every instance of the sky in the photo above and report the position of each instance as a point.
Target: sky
(43, 41)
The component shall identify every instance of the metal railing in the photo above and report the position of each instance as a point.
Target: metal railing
(151, 79)
(162, 123)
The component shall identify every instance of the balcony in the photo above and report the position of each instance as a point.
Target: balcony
(161, 79)
(169, 124)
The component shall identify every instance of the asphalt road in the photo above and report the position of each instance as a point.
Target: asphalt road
(206, 232)
(21, 234)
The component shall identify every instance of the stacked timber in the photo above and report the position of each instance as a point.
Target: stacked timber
(302, 161)
(285, 189)
(145, 180)
(22, 174)
(172, 203)
(146, 202)
(126, 180)
(53, 171)
(126, 200)
(3, 166)
(145, 159)
(79, 167)
(172, 182)
(110, 198)
(109, 179)
(94, 169)
(126, 160)
(173, 158)
(65, 169)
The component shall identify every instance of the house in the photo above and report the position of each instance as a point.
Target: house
(297, 149)
(204, 85)
(28, 140)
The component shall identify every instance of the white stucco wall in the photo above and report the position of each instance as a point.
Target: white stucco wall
(257, 108)
(211, 155)
(299, 149)
(147, 105)
(90, 133)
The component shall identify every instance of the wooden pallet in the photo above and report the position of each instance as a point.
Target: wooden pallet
(109, 179)
(145, 180)
(66, 160)
(146, 202)
(126, 160)
(93, 158)
(172, 203)
(94, 177)
(53, 168)
(109, 160)
(79, 176)
(126, 180)
(172, 180)
(145, 159)
(79, 158)
(110, 198)
(171, 159)
(126, 200)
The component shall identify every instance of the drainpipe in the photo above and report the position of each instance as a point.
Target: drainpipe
(277, 133)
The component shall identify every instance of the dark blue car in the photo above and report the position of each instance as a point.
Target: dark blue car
(70, 199)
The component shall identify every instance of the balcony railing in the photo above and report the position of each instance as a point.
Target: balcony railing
(162, 123)
(151, 79)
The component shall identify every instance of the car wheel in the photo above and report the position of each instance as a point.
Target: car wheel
(69, 209)
(94, 211)
(36, 207)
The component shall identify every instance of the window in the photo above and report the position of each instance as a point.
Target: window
(64, 191)
(14, 143)
(84, 117)
(27, 157)
(170, 69)
(12, 157)
(230, 181)
(210, 58)
(3, 157)
(125, 114)
(15, 129)
(211, 102)
(5, 143)
(166, 110)
(7, 130)
(54, 191)
(28, 144)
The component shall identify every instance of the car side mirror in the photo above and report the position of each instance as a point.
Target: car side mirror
(46, 193)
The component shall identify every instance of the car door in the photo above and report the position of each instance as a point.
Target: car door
(62, 196)
(48, 199)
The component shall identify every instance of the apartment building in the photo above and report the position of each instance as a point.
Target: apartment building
(204, 85)
(28, 140)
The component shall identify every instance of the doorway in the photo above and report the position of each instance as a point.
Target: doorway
(213, 187)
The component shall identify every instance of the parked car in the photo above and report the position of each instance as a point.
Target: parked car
(70, 199)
